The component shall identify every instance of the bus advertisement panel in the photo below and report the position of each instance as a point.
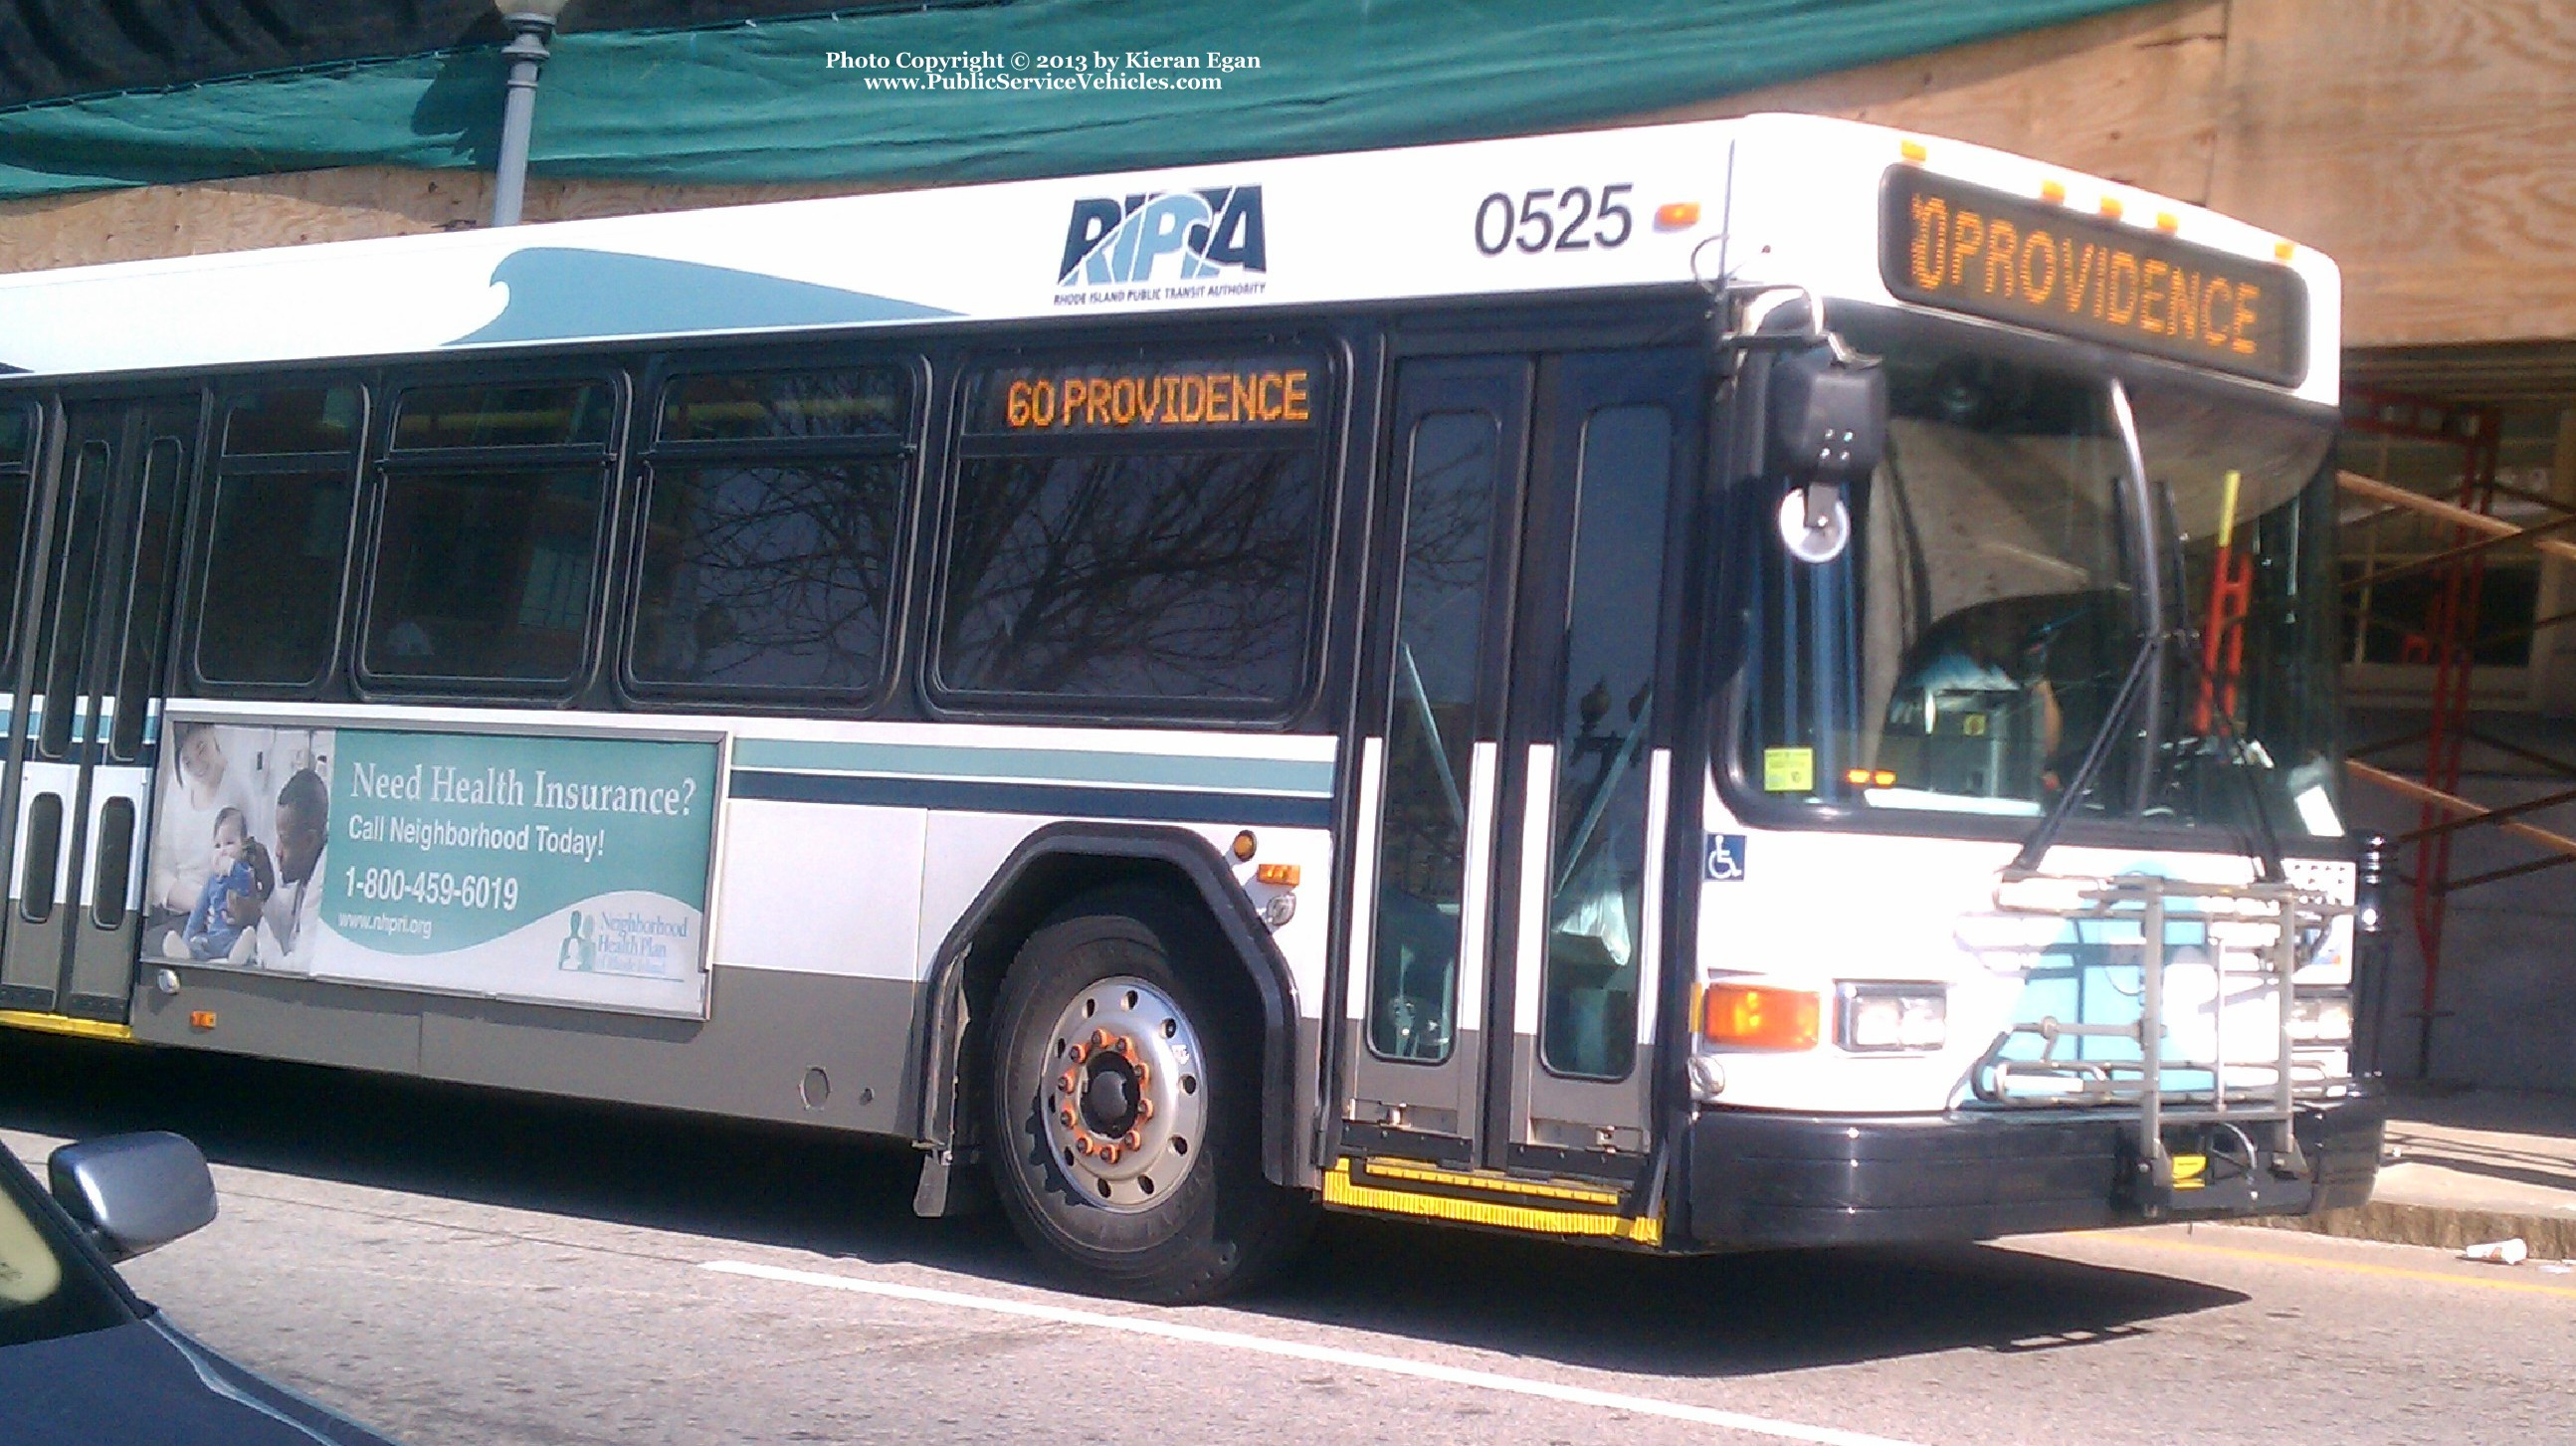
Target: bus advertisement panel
(547, 869)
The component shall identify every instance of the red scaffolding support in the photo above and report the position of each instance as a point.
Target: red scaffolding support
(2448, 643)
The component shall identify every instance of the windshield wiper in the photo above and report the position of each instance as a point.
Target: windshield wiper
(2098, 751)
(2144, 677)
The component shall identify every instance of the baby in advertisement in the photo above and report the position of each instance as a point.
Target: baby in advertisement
(239, 880)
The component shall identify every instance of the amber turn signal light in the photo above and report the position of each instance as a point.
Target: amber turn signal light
(1749, 1016)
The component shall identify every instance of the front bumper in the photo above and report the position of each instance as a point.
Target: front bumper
(1756, 1179)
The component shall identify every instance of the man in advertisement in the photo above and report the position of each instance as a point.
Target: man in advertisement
(291, 922)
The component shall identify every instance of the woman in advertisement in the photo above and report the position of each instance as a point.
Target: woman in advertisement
(206, 786)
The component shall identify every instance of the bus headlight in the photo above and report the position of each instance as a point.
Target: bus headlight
(1893, 1016)
(2323, 1018)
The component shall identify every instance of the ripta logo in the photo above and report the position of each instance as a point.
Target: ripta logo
(1120, 243)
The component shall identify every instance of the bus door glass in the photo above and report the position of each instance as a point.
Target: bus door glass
(99, 599)
(1517, 778)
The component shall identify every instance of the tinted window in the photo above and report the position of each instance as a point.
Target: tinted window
(17, 449)
(273, 577)
(484, 574)
(1455, 467)
(92, 478)
(147, 607)
(868, 402)
(514, 415)
(768, 575)
(278, 548)
(1596, 933)
(1158, 552)
(772, 515)
(1180, 576)
(298, 419)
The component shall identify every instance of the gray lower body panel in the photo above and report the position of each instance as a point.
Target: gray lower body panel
(752, 1057)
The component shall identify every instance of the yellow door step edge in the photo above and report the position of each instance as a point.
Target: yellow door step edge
(1422, 1174)
(1341, 1190)
(58, 1024)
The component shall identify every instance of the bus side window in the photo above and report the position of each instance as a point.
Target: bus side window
(1138, 536)
(17, 467)
(278, 548)
(774, 507)
(486, 555)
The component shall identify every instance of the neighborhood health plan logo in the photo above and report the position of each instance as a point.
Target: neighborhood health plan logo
(1164, 246)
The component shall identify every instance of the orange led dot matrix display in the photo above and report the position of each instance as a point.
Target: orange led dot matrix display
(2007, 258)
(1188, 396)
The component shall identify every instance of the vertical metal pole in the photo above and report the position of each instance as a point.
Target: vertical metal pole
(526, 52)
(2151, 1040)
(2218, 1002)
(2285, 969)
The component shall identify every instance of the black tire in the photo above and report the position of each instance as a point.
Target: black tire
(1220, 1225)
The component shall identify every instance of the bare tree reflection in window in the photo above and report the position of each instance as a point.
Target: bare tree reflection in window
(769, 575)
(1139, 575)
(1455, 463)
(773, 569)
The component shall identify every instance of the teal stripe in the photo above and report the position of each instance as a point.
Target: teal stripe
(1051, 765)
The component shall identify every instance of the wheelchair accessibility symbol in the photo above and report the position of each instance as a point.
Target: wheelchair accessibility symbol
(1725, 858)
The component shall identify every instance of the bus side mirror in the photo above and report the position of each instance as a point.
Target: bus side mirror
(1828, 428)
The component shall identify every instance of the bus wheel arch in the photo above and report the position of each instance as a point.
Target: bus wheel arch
(1055, 867)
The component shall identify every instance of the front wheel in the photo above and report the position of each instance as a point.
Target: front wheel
(1127, 1107)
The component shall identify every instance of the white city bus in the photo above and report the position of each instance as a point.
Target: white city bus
(1734, 684)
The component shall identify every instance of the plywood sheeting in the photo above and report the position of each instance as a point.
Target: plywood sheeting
(309, 206)
(2428, 145)
(2134, 95)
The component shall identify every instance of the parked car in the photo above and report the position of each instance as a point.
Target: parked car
(82, 1358)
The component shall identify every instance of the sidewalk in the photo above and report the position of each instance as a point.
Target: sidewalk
(2468, 1167)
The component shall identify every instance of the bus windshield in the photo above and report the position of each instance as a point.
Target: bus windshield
(2250, 512)
(1963, 651)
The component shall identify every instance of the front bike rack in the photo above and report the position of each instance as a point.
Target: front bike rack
(2253, 938)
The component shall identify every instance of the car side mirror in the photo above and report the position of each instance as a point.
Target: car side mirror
(1828, 428)
(133, 1193)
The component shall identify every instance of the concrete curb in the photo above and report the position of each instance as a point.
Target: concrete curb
(2550, 1237)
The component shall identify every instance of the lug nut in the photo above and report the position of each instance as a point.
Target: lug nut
(1064, 1082)
(1078, 1053)
(1132, 1140)
(1144, 1108)
(1066, 1116)
(1082, 1145)
(1100, 1039)
(1109, 1154)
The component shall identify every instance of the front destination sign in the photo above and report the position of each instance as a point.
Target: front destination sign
(2007, 258)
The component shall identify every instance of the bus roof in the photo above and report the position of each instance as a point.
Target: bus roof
(1791, 199)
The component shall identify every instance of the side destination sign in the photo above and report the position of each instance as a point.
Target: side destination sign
(1964, 248)
(556, 870)
(1200, 395)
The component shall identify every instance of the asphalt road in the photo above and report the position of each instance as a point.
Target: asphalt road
(458, 1266)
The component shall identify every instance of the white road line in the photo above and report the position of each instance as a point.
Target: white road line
(1321, 1355)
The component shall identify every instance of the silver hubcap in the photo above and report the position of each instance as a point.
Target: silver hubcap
(1125, 1106)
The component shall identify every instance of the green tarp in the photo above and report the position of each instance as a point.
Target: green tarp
(767, 101)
